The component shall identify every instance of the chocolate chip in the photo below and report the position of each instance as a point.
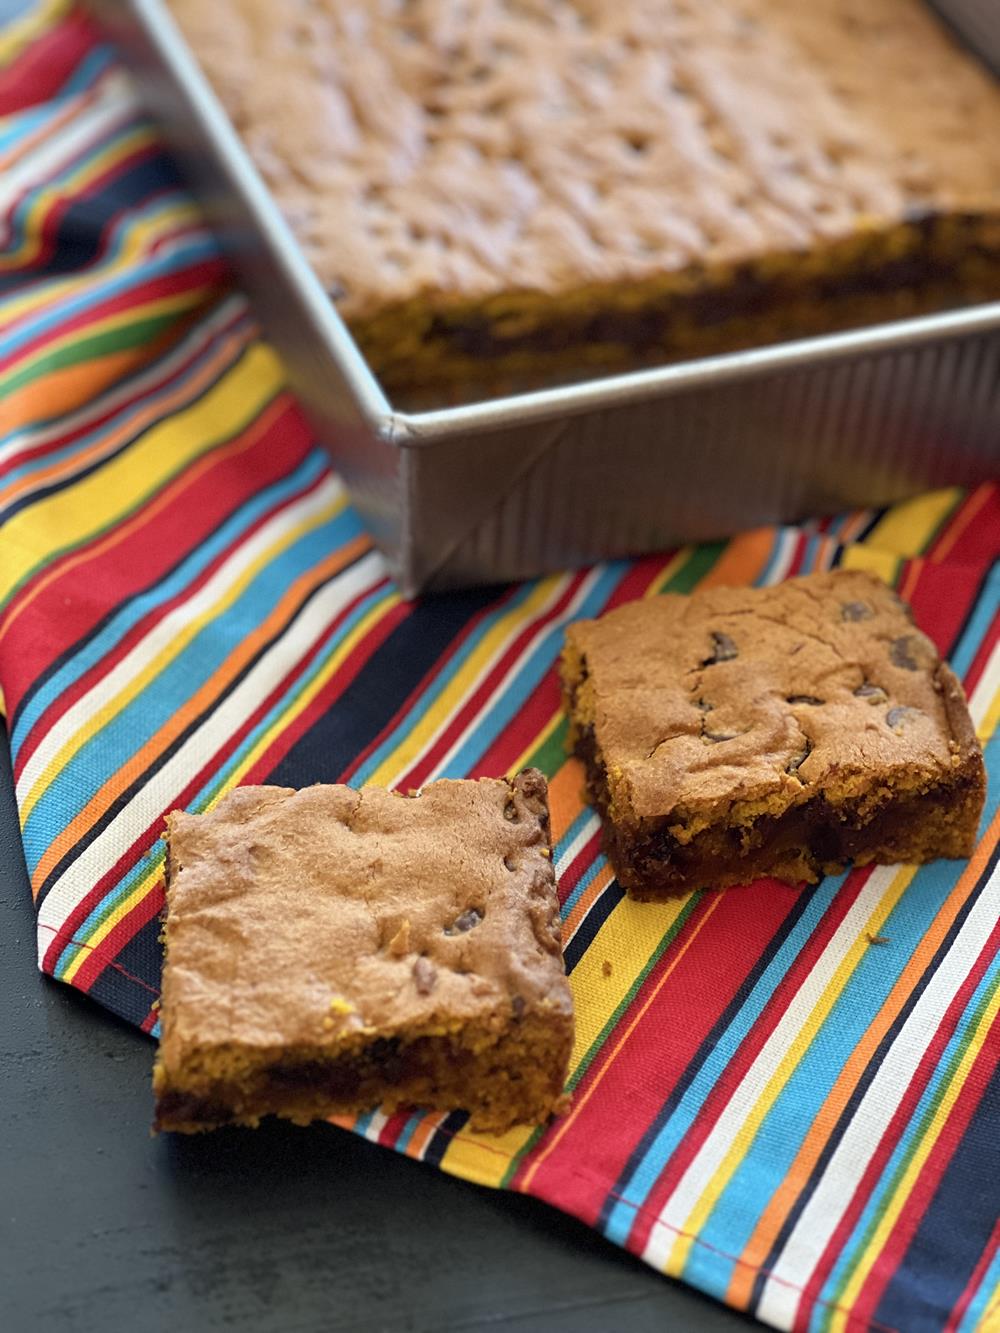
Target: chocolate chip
(717, 736)
(723, 649)
(804, 699)
(510, 863)
(469, 919)
(517, 1005)
(795, 764)
(704, 707)
(873, 693)
(424, 976)
(901, 655)
(855, 611)
(897, 716)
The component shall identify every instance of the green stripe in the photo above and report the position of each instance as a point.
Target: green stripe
(924, 1127)
(92, 348)
(551, 754)
(612, 1023)
(702, 559)
(216, 442)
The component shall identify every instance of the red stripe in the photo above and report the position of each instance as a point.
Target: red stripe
(645, 1070)
(147, 836)
(941, 597)
(223, 343)
(475, 702)
(41, 70)
(755, 1040)
(876, 1167)
(978, 540)
(938, 1159)
(413, 698)
(126, 568)
(974, 1282)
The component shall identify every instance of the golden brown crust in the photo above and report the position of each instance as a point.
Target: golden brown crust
(321, 921)
(742, 704)
(551, 160)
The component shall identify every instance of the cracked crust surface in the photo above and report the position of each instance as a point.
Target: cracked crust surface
(738, 704)
(322, 920)
(534, 144)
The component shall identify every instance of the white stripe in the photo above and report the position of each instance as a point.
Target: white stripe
(97, 121)
(847, 1166)
(100, 699)
(378, 1122)
(698, 1176)
(591, 826)
(567, 614)
(487, 666)
(986, 688)
(162, 790)
(149, 381)
(785, 554)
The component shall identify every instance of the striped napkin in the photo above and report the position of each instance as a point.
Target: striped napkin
(788, 1099)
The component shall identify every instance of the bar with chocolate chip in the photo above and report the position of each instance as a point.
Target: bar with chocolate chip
(331, 950)
(783, 731)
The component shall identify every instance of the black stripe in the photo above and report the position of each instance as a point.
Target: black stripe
(129, 986)
(74, 479)
(712, 1039)
(954, 1231)
(443, 1135)
(82, 233)
(848, 1113)
(113, 612)
(385, 681)
(134, 787)
(587, 930)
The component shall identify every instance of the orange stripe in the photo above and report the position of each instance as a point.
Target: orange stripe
(147, 512)
(107, 441)
(580, 1101)
(587, 899)
(207, 692)
(911, 578)
(771, 1221)
(960, 523)
(566, 796)
(422, 1134)
(742, 560)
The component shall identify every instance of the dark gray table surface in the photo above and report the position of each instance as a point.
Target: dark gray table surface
(280, 1229)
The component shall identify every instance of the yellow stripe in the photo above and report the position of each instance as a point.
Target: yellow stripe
(128, 904)
(908, 526)
(932, 1135)
(15, 36)
(873, 559)
(665, 575)
(160, 305)
(536, 744)
(108, 711)
(748, 1130)
(363, 627)
(140, 239)
(88, 169)
(71, 515)
(462, 683)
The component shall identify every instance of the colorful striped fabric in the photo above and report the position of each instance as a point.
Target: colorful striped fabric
(788, 1099)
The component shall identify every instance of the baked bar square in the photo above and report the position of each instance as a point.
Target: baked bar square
(330, 950)
(785, 731)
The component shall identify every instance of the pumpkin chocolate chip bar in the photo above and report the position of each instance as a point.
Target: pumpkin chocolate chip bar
(783, 731)
(330, 950)
(507, 193)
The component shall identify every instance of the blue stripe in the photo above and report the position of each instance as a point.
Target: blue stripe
(666, 1142)
(494, 719)
(104, 753)
(186, 573)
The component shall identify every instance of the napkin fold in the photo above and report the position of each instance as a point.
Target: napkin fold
(786, 1098)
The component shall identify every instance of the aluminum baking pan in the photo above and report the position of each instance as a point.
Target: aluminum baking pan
(515, 486)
